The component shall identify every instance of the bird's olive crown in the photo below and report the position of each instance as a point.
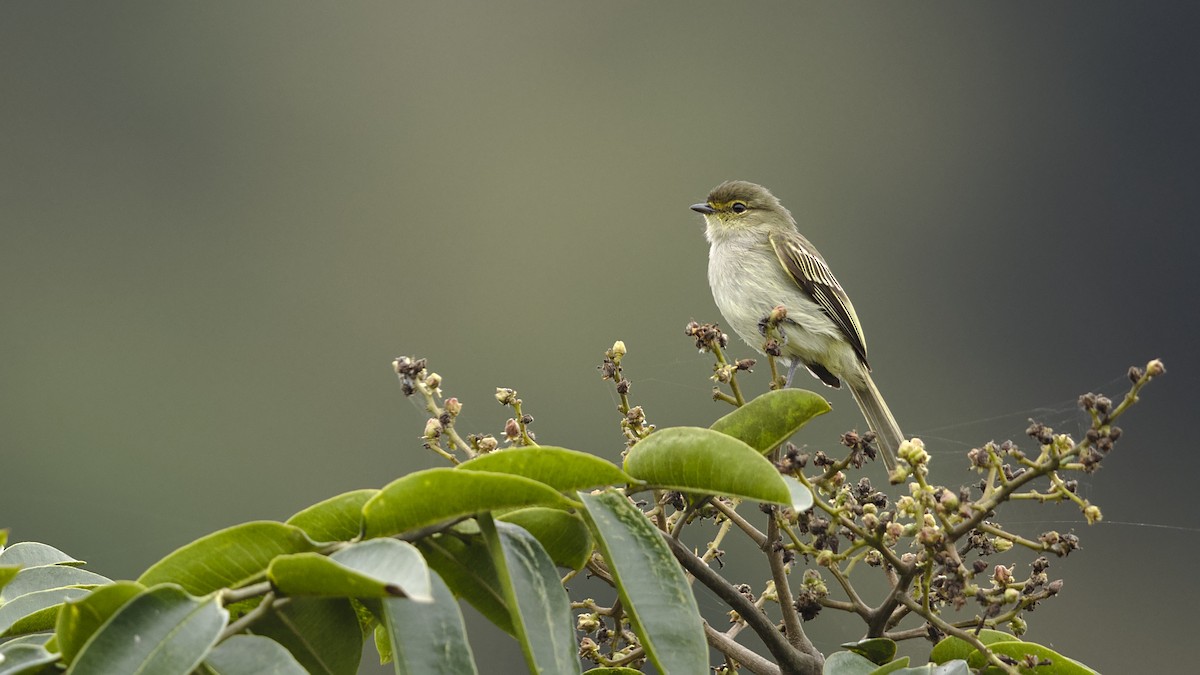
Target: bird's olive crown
(735, 198)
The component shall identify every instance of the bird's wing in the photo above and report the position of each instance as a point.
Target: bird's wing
(812, 275)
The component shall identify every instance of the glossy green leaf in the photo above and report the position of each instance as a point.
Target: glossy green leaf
(439, 495)
(22, 659)
(541, 610)
(652, 586)
(321, 633)
(956, 667)
(7, 573)
(462, 560)
(848, 663)
(770, 419)
(377, 568)
(900, 665)
(45, 577)
(227, 558)
(564, 535)
(252, 655)
(691, 459)
(878, 650)
(951, 648)
(429, 638)
(79, 619)
(383, 643)
(335, 519)
(562, 469)
(1059, 664)
(35, 611)
(801, 496)
(34, 554)
(162, 630)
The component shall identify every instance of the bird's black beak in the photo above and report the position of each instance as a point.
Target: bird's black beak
(703, 208)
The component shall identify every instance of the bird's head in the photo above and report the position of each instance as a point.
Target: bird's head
(740, 206)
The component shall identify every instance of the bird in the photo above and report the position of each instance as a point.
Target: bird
(757, 261)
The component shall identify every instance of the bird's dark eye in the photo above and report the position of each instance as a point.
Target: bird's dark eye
(738, 207)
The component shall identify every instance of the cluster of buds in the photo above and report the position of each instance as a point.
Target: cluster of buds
(483, 443)
(410, 371)
(516, 430)
(708, 336)
(610, 368)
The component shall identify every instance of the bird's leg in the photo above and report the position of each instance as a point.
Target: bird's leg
(791, 372)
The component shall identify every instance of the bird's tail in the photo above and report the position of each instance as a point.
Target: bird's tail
(879, 417)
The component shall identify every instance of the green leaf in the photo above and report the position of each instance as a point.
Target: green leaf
(439, 495)
(770, 419)
(252, 655)
(321, 633)
(45, 577)
(377, 568)
(35, 611)
(848, 663)
(20, 659)
(652, 586)
(227, 558)
(3, 538)
(162, 630)
(383, 644)
(691, 459)
(564, 535)
(81, 618)
(562, 469)
(1059, 664)
(7, 573)
(33, 554)
(541, 610)
(462, 560)
(335, 519)
(878, 650)
(900, 665)
(951, 648)
(429, 638)
(801, 496)
(956, 667)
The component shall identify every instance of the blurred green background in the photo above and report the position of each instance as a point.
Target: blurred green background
(220, 221)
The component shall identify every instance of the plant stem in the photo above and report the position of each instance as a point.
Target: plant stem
(791, 660)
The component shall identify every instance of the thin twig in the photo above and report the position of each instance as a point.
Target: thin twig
(791, 660)
(744, 525)
(750, 660)
(791, 618)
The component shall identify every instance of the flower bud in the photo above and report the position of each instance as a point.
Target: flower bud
(1155, 368)
(1092, 513)
(505, 396)
(511, 429)
(1001, 544)
(433, 381)
(778, 314)
(913, 452)
(433, 428)
(487, 444)
(1002, 575)
(587, 622)
(453, 407)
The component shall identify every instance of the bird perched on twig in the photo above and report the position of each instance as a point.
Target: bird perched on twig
(758, 261)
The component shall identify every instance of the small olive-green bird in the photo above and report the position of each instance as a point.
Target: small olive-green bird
(757, 261)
